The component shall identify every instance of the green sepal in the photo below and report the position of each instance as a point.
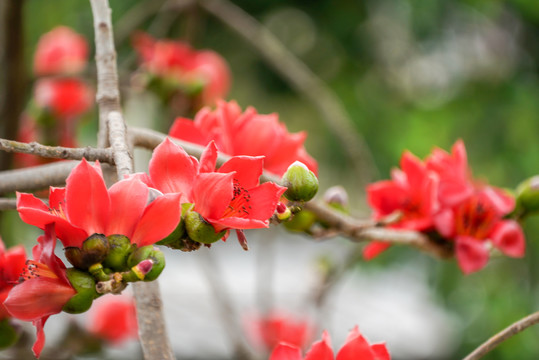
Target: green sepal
(301, 221)
(199, 230)
(93, 251)
(84, 285)
(152, 253)
(120, 249)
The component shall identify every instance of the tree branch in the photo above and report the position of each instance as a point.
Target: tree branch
(300, 77)
(151, 322)
(57, 152)
(35, 178)
(503, 335)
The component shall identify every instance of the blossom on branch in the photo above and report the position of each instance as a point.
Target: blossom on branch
(61, 51)
(113, 319)
(246, 133)
(12, 263)
(440, 195)
(43, 289)
(356, 347)
(86, 207)
(194, 72)
(227, 198)
(65, 98)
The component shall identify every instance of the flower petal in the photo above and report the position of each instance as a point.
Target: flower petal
(87, 199)
(208, 158)
(472, 254)
(374, 248)
(356, 347)
(320, 350)
(285, 352)
(128, 199)
(248, 169)
(171, 169)
(158, 220)
(507, 236)
(212, 194)
(380, 351)
(40, 336)
(186, 129)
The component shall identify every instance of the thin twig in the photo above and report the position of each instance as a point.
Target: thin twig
(300, 77)
(503, 335)
(151, 322)
(57, 152)
(8, 204)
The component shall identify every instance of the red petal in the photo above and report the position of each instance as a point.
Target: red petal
(248, 169)
(285, 352)
(507, 236)
(212, 194)
(380, 352)
(12, 264)
(87, 199)
(320, 350)
(57, 197)
(38, 297)
(128, 199)
(158, 220)
(385, 197)
(413, 168)
(444, 222)
(187, 130)
(264, 200)
(503, 202)
(171, 169)
(40, 336)
(472, 254)
(208, 158)
(374, 249)
(356, 347)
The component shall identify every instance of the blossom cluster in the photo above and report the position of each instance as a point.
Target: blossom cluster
(439, 196)
(173, 69)
(60, 95)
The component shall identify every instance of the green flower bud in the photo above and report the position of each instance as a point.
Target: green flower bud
(173, 241)
(199, 230)
(528, 195)
(301, 222)
(337, 198)
(120, 249)
(8, 334)
(148, 253)
(84, 285)
(94, 250)
(301, 183)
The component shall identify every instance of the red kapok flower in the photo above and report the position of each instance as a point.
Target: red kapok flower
(12, 263)
(268, 331)
(228, 198)
(356, 347)
(478, 221)
(65, 98)
(412, 192)
(113, 319)
(60, 51)
(43, 289)
(247, 133)
(177, 61)
(85, 207)
(453, 172)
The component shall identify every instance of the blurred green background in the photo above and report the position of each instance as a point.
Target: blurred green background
(412, 74)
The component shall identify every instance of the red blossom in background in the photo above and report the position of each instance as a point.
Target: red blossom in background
(356, 347)
(65, 98)
(43, 289)
(228, 198)
(441, 195)
(85, 206)
(177, 61)
(113, 319)
(246, 133)
(268, 331)
(61, 51)
(12, 263)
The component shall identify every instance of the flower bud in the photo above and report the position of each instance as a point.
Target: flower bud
(8, 334)
(94, 250)
(200, 230)
(84, 285)
(283, 212)
(174, 240)
(528, 195)
(120, 249)
(337, 198)
(142, 254)
(301, 183)
(301, 222)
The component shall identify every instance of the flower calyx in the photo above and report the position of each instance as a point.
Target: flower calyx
(93, 251)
